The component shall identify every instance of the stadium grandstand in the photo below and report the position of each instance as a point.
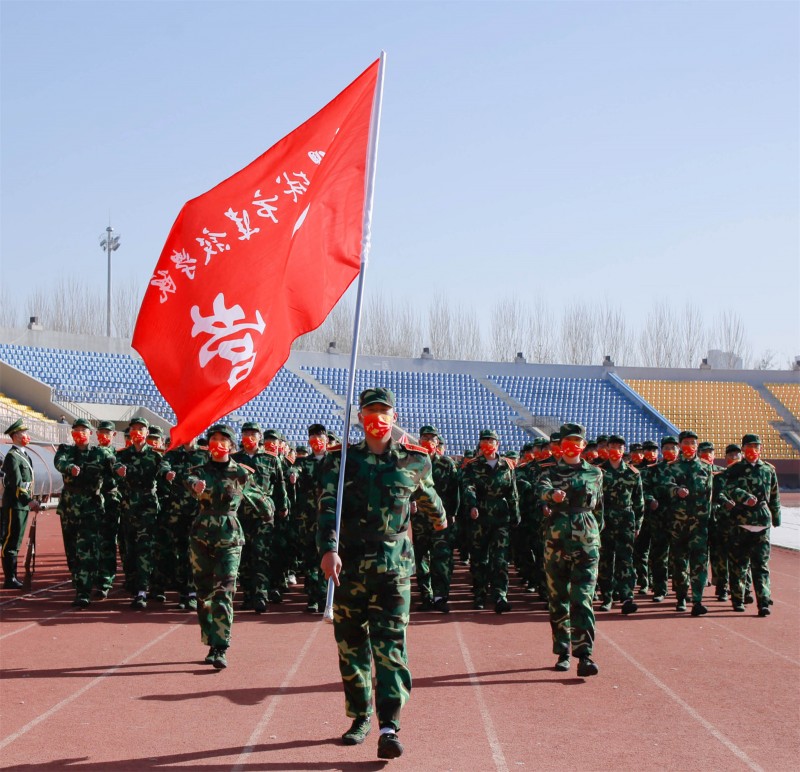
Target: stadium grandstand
(55, 374)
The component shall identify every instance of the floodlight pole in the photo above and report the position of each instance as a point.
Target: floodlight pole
(110, 243)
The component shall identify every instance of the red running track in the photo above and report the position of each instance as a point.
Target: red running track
(109, 688)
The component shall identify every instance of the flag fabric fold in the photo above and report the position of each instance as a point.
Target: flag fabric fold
(255, 262)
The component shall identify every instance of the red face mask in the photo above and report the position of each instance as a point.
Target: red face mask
(651, 456)
(752, 453)
(271, 446)
(637, 457)
(571, 448)
(589, 455)
(250, 443)
(429, 445)
(556, 451)
(688, 451)
(154, 442)
(669, 454)
(104, 440)
(614, 454)
(218, 449)
(23, 440)
(377, 425)
(137, 436)
(318, 444)
(80, 438)
(603, 453)
(488, 449)
(707, 456)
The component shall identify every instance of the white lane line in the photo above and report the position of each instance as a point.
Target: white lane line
(731, 746)
(275, 701)
(757, 643)
(85, 688)
(18, 598)
(488, 726)
(36, 623)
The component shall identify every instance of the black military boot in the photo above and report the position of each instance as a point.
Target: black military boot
(10, 571)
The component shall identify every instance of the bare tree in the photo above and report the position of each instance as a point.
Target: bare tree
(612, 335)
(541, 334)
(337, 328)
(125, 307)
(659, 340)
(9, 309)
(453, 333)
(578, 340)
(390, 327)
(730, 338)
(70, 305)
(767, 360)
(507, 329)
(693, 336)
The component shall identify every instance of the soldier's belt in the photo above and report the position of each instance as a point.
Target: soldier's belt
(378, 539)
(578, 510)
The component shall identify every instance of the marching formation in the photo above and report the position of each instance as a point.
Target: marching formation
(586, 523)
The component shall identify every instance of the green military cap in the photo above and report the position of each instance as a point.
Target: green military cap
(333, 438)
(649, 445)
(555, 437)
(687, 434)
(602, 438)
(668, 440)
(81, 423)
(427, 429)
(17, 426)
(751, 439)
(316, 429)
(528, 446)
(202, 442)
(635, 446)
(488, 434)
(733, 448)
(251, 426)
(376, 396)
(155, 431)
(272, 434)
(222, 429)
(591, 445)
(469, 453)
(706, 446)
(616, 438)
(139, 420)
(511, 454)
(302, 449)
(106, 426)
(572, 430)
(540, 442)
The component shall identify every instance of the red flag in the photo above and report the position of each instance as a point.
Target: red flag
(257, 261)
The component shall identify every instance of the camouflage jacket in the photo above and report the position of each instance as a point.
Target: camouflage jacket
(308, 471)
(17, 478)
(142, 469)
(583, 484)
(742, 480)
(492, 489)
(181, 460)
(447, 482)
(268, 475)
(655, 478)
(376, 506)
(228, 484)
(698, 479)
(96, 469)
(622, 490)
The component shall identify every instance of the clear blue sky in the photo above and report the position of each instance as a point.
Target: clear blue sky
(630, 151)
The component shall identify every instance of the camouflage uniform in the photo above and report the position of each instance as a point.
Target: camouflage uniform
(623, 510)
(261, 569)
(658, 506)
(108, 527)
(305, 512)
(81, 509)
(750, 531)
(371, 604)
(215, 545)
(493, 490)
(689, 526)
(17, 473)
(572, 552)
(139, 511)
(433, 550)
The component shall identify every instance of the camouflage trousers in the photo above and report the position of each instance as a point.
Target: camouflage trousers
(107, 531)
(283, 552)
(489, 558)
(138, 525)
(718, 551)
(215, 547)
(433, 556)
(80, 525)
(314, 580)
(370, 616)
(571, 555)
(616, 573)
(529, 549)
(641, 553)
(254, 567)
(689, 549)
(659, 551)
(177, 527)
(749, 549)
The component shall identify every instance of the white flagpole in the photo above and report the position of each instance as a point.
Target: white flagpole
(366, 244)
